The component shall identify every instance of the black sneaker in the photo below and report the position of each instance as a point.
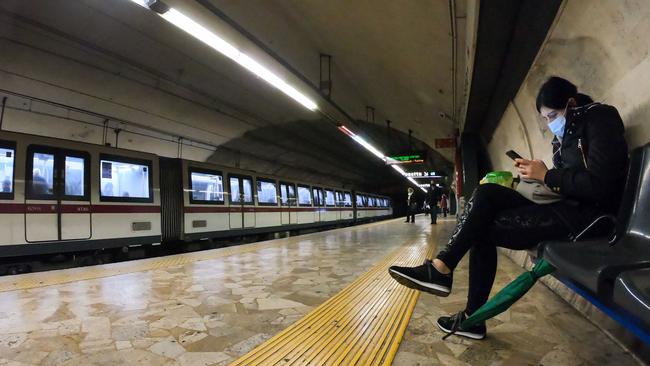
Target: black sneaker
(424, 278)
(451, 325)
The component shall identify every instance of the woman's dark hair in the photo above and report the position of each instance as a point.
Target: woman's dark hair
(583, 99)
(556, 92)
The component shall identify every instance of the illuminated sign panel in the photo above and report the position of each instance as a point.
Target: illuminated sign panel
(407, 158)
(423, 175)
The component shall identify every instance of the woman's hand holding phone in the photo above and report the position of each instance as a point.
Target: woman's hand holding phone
(531, 169)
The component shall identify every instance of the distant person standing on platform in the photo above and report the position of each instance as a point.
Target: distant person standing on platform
(411, 206)
(434, 196)
(443, 205)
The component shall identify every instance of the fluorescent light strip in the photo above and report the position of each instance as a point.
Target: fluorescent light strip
(142, 3)
(377, 153)
(369, 147)
(217, 43)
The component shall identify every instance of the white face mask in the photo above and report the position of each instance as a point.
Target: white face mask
(557, 125)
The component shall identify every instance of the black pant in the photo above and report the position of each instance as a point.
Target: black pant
(410, 214)
(496, 216)
(434, 213)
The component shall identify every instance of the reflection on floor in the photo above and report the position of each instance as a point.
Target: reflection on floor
(215, 310)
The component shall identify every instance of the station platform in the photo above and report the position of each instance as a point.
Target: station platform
(317, 299)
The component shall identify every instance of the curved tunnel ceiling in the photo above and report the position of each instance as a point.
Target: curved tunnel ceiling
(393, 57)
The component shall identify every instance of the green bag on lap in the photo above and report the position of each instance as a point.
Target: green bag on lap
(499, 177)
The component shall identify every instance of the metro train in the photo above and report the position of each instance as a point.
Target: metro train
(61, 196)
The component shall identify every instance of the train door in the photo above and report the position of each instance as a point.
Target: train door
(293, 204)
(242, 209)
(57, 199)
(318, 204)
(236, 212)
(249, 206)
(340, 203)
(285, 203)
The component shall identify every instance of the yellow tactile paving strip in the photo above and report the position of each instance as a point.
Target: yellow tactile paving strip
(42, 279)
(362, 325)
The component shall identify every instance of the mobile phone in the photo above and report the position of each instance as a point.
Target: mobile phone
(513, 155)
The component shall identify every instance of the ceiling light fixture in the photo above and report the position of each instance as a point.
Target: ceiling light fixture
(217, 43)
(377, 153)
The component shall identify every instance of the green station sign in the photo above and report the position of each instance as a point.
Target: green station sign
(408, 158)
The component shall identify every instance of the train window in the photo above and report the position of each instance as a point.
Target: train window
(248, 190)
(304, 196)
(339, 198)
(241, 188)
(292, 193)
(206, 186)
(359, 200)
(288, 194)
(267, 192)
(7, 160)
(125, 179)
(284, 195)
(347, 199)
(235, 196)
(316, 196)
(74, 176)
(329, 198)
(42, 182)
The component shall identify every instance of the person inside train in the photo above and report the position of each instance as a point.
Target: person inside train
(107, 190)
(590, 158)
(6, 185)
(39, 184)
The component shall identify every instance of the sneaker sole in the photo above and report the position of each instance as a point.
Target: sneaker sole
(419, 285)
(461, 333)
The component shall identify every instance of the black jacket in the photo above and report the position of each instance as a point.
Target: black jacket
(590, 164)
(433, 195)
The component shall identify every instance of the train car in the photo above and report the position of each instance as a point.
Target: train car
(371, 207)
(217, 202)
(60, 196)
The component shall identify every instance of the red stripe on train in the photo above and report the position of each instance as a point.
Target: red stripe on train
(225, 209)
(125, 209)
(21, 208)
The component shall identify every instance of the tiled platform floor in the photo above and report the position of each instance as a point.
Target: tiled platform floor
(213, 311)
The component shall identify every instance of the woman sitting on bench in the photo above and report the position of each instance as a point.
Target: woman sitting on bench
(589, 166)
